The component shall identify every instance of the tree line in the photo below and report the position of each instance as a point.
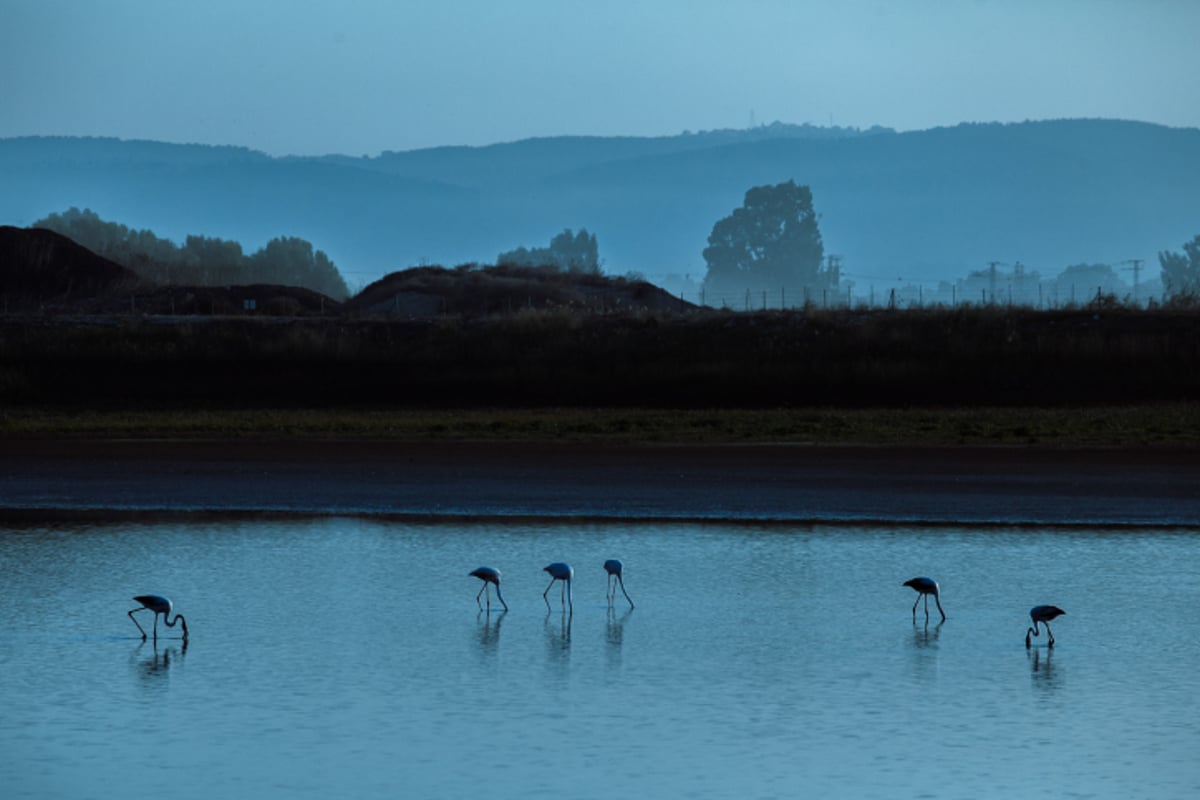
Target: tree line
(771, 247)
(201, 260)
(568, 252)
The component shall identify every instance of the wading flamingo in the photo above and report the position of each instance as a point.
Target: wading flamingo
(924, 588)
(488, 575)
(613, 567)
(1042, 614)
(159, 605)
(560, 571)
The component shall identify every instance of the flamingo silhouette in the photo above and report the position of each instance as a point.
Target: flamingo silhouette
(613, 567)
(560, 571)
(159, 605)
(488, 575)
(924, 588)
(1042, 614)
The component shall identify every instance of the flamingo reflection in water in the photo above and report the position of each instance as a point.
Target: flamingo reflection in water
(489, 631)
(925, 636)
(159, 605)
(614, 567)
(1042, 614)
(157, 663)
(489, 575)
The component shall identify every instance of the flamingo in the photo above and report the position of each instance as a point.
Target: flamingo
(159, 605)
(1042, 614)
(560, 571)
(613, 567)
(488, 575)
(924, 588)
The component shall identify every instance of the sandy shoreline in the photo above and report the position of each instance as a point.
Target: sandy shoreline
(768, 482)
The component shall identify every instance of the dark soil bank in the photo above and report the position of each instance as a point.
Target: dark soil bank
(933, 357)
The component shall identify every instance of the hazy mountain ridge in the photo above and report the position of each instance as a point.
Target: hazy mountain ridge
(923, 205)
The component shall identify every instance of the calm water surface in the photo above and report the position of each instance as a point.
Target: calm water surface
(345, 657)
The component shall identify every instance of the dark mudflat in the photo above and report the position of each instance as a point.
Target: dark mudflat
(1120, 486)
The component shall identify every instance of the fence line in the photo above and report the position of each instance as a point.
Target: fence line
(912, 297)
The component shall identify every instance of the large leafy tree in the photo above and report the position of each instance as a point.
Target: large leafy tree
(1181, 271)
(770, 244)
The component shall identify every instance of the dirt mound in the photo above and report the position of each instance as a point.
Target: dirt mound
(40, 266)
(483, 291)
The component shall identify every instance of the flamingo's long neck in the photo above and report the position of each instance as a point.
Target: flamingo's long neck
(178, 618)
(500, 597)
(570, 602)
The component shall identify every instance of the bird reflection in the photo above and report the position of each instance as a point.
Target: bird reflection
(924, 635)
(489, 629)
(614, 635)
(558, 647)
(615, 628)
(558, 636)
(1041, 668)
(155, 664)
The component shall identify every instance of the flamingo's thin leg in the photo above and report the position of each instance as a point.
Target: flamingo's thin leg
(135, 622)
(621, 581)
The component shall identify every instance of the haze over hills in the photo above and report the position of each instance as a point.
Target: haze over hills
(924, 205)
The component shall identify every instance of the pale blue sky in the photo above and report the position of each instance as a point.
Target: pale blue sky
(362, 76)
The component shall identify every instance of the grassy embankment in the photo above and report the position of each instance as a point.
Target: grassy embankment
(964, 376)
(1173, 425)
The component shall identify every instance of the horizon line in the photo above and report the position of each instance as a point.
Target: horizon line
(766, 128)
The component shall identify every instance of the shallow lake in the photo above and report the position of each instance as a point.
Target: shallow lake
(346, 657)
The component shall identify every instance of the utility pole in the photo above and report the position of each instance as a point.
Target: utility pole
(833, 270)
(1137, 269)
(992, 279)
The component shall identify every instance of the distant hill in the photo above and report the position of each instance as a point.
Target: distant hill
(924, 205)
